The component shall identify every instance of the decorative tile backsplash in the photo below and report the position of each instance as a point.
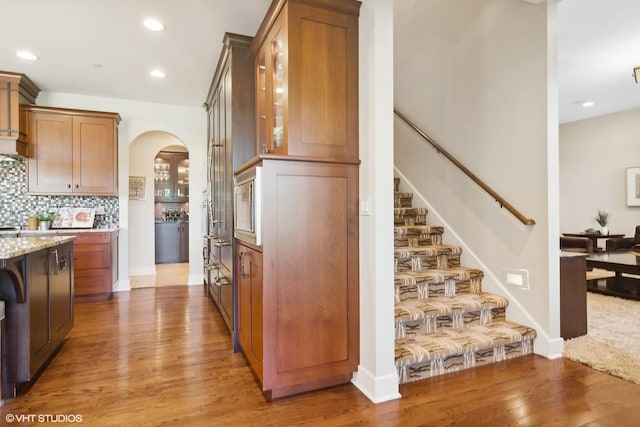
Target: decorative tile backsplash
(16, 206)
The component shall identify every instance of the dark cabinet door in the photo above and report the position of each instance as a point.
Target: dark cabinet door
(167, 242)
(61, 290)
(183, 230)
(172, 242)
(50, 296)
(38, 295)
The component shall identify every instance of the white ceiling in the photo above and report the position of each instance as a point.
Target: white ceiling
(99, 47)
(598, 48)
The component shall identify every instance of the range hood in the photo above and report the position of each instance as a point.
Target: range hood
(15, 90)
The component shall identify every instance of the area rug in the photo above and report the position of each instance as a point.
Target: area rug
(598, 273)
(612, 343)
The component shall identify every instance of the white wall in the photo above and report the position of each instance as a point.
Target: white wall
(594, 155)
(185, 123)
(474, 75)
(142, 153)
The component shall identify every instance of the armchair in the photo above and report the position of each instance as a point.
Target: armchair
(576, 244)
(623, 243)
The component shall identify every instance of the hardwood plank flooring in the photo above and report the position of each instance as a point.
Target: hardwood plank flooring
(162, 356)
(166, 275)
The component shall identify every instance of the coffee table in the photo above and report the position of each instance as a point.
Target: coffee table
(619, 262)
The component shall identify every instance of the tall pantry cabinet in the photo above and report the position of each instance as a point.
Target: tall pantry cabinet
(231, 142)
(298, 297)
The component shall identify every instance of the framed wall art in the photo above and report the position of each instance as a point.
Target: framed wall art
(633, 186)
(136, 187)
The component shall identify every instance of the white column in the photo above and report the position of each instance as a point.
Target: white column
(376, 376)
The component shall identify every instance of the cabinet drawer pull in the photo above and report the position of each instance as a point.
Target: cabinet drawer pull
(222, 282)
(221, 243)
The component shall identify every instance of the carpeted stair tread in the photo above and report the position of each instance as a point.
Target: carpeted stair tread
(414, 258)
(401, 230)
(433, 307)
(429, 250)
(402, 199)
(436, 275)
(410, 216)
(426, 347)
(417, 235)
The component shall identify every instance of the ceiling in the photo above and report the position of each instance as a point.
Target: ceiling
(598, 48)
(99, 47)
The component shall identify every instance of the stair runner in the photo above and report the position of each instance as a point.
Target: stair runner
(443, 321)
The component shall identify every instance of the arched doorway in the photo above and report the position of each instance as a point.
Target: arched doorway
(147, 211)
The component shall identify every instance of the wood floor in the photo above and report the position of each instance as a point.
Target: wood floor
(162, 356)
(166, 275)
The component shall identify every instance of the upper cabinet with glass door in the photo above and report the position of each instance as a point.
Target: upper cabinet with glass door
(171, 177)
(307, 80)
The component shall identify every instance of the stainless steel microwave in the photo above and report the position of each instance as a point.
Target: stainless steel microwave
(247, 219)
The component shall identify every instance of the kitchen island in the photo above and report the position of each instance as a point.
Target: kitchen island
(95, 259)
(36, 284)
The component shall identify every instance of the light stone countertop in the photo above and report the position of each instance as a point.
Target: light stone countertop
(11, 247)
(54, 231)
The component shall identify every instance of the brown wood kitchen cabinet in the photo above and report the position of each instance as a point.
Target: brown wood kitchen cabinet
(301, 311)
(250, 315)
(16, 90)
(72, 151)
(231, 142)
(95, 260)
(308, 288)
(306, 75)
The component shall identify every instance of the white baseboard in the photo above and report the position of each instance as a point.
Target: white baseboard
(377, 389)
(142, 271)
(195, 279)
(122, 286)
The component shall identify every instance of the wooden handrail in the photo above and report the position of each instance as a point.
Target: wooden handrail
(503, 203)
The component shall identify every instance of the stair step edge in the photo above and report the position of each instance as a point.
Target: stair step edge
(425, 347)
(437, 275)
(411, 310)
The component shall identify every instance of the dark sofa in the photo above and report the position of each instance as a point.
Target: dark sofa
(576, 244)
(617, 244)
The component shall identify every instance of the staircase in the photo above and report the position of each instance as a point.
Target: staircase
(443, 321)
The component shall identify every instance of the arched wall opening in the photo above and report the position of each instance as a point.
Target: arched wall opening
(142, 210)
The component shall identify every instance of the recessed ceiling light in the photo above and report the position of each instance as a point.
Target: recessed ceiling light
(584, 103)
(157, 74)
(153, 25)
(25, 54)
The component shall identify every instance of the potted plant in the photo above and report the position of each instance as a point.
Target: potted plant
(602, 218)
(44, 221)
